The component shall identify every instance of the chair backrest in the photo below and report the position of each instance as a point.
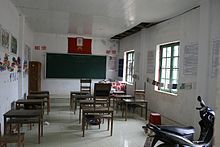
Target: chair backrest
(102, 93)
(139, 93)
(85, 85)
(39, 92)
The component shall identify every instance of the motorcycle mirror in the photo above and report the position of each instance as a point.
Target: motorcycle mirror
(199, 98)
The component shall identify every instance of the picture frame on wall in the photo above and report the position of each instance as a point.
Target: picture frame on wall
(14, 45)
(5, 39)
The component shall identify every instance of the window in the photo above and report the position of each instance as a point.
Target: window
(169, 67)
(129, 71)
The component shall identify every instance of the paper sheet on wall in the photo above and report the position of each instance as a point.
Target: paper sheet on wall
(190, 59)
(150, 62)
(112, 63)
(215, 47)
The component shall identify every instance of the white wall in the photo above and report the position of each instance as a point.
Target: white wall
(10, 87)
(58, 44)
(9, 20)
(200, 26)
(215, 35)
(183, 28)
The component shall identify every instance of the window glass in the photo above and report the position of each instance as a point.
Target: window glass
(176, 51)
(168, 63)
(167, 73)
(169, 52)
(164, 52)
(175, 73)
(169, 68)
(129, 66)
(164, 63)
(175, 62)
(163, 73)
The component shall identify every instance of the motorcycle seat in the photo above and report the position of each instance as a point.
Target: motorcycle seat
(183, 131)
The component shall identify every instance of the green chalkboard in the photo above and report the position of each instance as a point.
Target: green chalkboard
(75, 66)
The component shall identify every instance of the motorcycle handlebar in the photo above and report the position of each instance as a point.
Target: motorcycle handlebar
(202, 103)
(152, 126)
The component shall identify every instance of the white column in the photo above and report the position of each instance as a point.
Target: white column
(21, 54)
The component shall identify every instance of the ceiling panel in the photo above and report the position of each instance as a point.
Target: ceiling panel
(97, 18)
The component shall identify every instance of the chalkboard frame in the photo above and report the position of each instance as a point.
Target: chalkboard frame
(58, 66)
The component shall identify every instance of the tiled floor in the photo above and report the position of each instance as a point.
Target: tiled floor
(65, 131)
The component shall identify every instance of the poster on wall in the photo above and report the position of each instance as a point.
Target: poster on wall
(112, 63)
(150, 62)
(215, 47)
(5, 39)
(120, 67)
(190, 59)
(13, 45)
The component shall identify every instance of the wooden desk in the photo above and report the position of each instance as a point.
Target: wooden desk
(91, 110)
(45, 97)
(132, 101)
(30, 102)
(119, 99)
(25, 116)
(76, 96)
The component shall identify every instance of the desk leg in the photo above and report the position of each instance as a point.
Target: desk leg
(126, 111)
(48, 105)
(83, 124)
(112, 124)
(79, 113)
(39, 129)
(75, 100)
(113, 103)
(42, 125)
(123, 109)
(146, 111)
(5, 125)
(71, 106)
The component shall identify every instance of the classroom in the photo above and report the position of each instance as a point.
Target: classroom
(169, 50)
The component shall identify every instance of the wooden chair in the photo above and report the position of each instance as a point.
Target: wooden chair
(101, 101)
(12, 138)
(140, 94)
(85, 85)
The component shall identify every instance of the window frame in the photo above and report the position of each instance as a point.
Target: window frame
(130, 74)
(171, 68)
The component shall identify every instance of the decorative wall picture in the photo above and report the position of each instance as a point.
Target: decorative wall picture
(12, 64)
(13, 45)
(5, 39)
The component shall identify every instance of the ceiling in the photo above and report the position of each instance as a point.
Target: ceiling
(97, 18)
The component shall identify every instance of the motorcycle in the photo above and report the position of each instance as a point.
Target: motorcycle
(173, 136)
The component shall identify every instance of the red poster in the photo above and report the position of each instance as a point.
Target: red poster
(83, 48)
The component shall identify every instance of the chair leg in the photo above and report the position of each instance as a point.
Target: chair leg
(87, 126)
(141, 111)
(108, 123)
